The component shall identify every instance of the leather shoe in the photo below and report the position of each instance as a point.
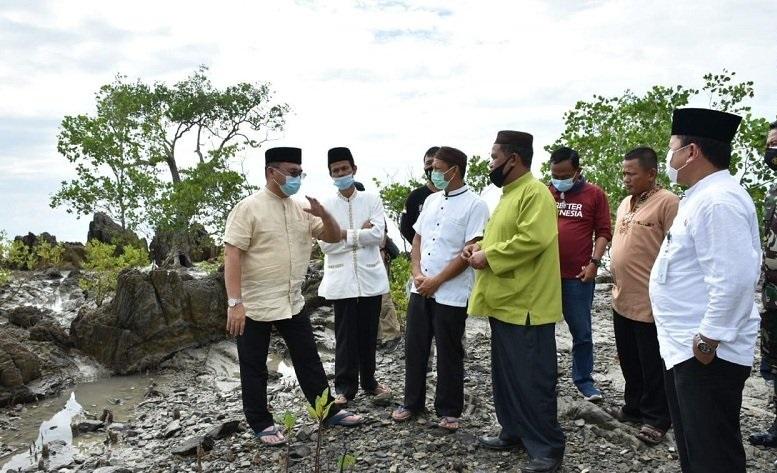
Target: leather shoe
(542, 465)
(496, 443)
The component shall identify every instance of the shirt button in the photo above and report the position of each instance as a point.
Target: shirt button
(428, 254)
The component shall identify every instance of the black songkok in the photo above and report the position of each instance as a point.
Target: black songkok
(705, 123)
(283, 155)
(340, 154)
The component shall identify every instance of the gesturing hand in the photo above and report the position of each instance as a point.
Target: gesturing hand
(316, 209)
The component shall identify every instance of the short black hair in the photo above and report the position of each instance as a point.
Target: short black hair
(773, 125)
(453, 157)
(645, 155)
(563, 154)
(717, 152)
(524, 152)
(431, 151)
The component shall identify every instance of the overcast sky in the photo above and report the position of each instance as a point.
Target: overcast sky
(386, 78)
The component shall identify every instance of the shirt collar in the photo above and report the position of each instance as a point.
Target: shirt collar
(518, 183)
(708, 181)
(348, 199)
(458, 191)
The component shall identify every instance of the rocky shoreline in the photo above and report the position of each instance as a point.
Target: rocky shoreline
(199, 404)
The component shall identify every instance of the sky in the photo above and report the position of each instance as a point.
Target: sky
(387, 78)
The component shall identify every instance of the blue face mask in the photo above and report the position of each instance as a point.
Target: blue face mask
(343, 182)
(291, 185)
(563, 185)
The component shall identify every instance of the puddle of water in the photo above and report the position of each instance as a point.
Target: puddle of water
(50, 419)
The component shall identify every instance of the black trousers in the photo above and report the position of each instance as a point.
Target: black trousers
(252, 349)
(426, 319)
(523, 371)
(356, 337)
(643, 370)
(704, 401)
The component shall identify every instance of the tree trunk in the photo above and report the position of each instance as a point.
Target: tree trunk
(173, 169)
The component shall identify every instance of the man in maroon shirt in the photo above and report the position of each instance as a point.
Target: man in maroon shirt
(584, 229)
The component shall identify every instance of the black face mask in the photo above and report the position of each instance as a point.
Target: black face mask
(770, 158)
(428, 173)
(498, 176)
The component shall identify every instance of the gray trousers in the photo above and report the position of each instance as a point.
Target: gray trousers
(523, 372)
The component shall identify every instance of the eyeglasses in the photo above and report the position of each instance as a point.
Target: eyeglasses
(294, 173)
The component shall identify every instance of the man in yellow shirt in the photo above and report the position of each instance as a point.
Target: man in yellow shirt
(518, 286)
(268, 240)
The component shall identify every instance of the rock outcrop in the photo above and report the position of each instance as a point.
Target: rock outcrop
(102, 228)
(18, 366)
(153, 315)
(171, 249)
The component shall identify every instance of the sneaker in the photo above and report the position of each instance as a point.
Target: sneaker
(591, 393)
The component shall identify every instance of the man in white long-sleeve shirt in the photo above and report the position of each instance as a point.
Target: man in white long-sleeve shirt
(701, 290)
(354, 279)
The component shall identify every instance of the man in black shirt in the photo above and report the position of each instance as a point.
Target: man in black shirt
(415, 201)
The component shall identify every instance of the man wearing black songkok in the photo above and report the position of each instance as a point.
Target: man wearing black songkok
(701, 292)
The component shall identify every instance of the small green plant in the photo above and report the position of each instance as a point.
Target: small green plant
(105, 267)
(400, 275)
(5, 277)
(288, 421)
(319, 412)
(346, 462)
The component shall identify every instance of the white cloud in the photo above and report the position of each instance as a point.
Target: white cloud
(388, 78)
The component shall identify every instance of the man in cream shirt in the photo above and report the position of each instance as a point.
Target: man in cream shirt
(268, 240)
(354, 279)
(701, 291)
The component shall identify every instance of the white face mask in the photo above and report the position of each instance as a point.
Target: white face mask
(670, 171)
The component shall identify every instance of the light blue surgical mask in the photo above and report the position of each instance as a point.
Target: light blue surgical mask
(290, 185)
(343, 182)
(563, 185)
(438, 179)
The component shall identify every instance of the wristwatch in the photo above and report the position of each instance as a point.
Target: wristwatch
(597, 262)
(232, 303)
(703, 346)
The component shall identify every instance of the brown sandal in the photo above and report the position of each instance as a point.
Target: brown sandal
(449, 423)
(650, 434)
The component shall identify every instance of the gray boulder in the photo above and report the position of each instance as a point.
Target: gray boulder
(152, 316)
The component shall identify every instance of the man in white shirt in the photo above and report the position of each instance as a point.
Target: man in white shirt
(701, 291)
(354, 279)
(450, 220)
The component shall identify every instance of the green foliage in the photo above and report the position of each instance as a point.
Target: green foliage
(5, 277)
(20, 256)
(477, 173)
(346, 462)
(394, 195)
(320, 410)
(104, 267)
(212, 266)
(400, 275)
(121, 152)
(288, 420)
(603, 129)
(49, 255)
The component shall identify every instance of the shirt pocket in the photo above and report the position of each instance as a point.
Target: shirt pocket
(453, 232)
